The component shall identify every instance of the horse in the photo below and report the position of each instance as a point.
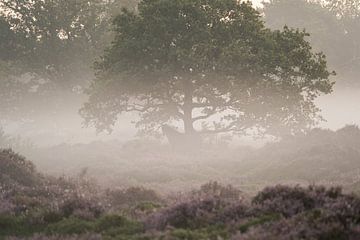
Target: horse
(181, 142)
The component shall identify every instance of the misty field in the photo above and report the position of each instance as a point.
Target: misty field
(143, 190)
(321, 157)
(179, 119)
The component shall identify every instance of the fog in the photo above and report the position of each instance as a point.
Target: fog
(152, 110)
(338, 109)
(52, 118)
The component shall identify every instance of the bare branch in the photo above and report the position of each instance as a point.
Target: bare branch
(230, 128)
(211, 112)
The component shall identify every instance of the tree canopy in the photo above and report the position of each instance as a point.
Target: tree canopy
(210, 64)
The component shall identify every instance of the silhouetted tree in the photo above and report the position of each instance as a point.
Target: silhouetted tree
(208, 63)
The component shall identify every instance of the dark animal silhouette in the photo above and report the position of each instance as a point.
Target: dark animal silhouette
(181, 141)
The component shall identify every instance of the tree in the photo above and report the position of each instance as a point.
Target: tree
(210, 64)
(326, 32)
(334, 28)
(348, 14)
(47, 49)
(10, 52)
(344, 8)
(62, 37)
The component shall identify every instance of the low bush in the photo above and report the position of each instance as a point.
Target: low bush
(15, 169)
(37, 207)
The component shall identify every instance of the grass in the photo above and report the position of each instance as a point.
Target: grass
(258, 221)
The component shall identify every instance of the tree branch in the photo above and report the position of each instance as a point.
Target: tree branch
(209, 114)
(231, 128)
(203, 117)
(147, 107)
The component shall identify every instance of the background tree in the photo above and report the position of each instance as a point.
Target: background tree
(212, 65)
(11, 88)
(333, 26)
(62, 38)
(344, 8)
(348, 14)
(47, 50)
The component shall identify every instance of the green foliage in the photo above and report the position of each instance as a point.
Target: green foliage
(16, 169)
(9, 221)
(211, 233)
(147, 206)
(11, 42)
(258, 221)
(70, 226)
(11, 225)
(134, 196)
(192, 60)
(112, 226)
(215, 189)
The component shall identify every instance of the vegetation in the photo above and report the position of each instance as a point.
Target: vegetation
(78, 209)
(220, 69)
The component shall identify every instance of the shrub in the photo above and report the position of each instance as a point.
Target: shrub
(70, 226)
(118, 226)
(132, 196)
(81, 207)
(210, 233)
(6, 206)
(193, 214)
(16, 169)
(214, 189)
(290, 201)
(89, 236)
(313, 225)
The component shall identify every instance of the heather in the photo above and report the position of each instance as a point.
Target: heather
(77, 208)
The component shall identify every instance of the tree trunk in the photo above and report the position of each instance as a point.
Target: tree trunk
(188, 121)
(188, 108)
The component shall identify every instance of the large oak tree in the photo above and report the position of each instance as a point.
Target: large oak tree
(209, 64)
